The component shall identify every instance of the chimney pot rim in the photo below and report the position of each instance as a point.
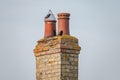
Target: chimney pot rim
(68, 14)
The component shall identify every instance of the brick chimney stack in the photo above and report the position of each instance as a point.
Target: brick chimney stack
(50, 25)
(63, 22)
(57, 56)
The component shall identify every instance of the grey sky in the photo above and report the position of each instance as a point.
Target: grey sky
(96, 23)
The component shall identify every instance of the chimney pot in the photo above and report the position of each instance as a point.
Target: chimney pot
(50, 25)
(63, 22)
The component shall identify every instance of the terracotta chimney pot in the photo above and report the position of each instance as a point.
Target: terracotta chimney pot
(50, 25)
(63, 23)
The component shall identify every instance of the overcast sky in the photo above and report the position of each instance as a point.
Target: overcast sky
(96, 23)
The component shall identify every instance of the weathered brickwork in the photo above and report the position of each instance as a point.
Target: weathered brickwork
(69, 66)
(57, 58)
(48, 67)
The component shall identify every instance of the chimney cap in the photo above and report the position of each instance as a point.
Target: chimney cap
(50, 16)
(63, 15)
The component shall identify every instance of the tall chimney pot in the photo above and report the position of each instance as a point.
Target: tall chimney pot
(63, 22)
